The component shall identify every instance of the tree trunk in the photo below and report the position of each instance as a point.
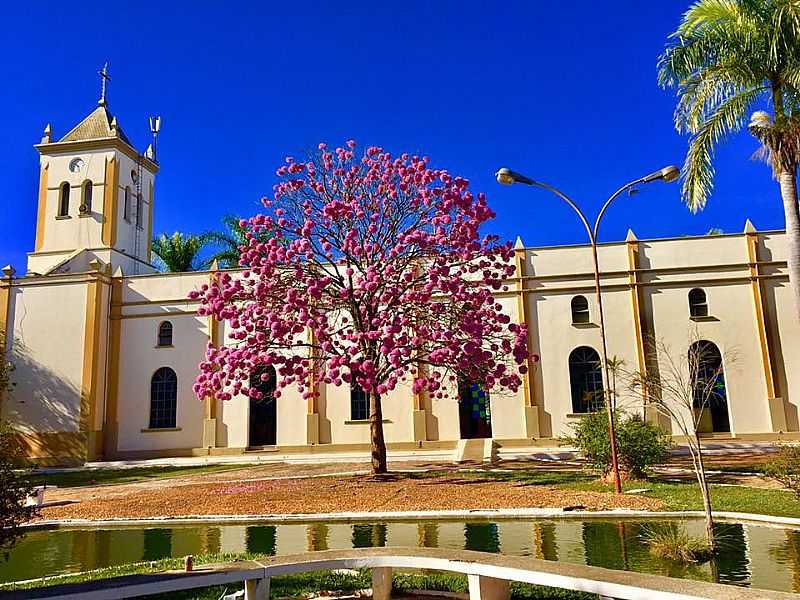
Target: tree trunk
(378, 444)
(700, 471)
(788, 182)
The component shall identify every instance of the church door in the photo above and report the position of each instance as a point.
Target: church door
(263, 413)
(474, 410)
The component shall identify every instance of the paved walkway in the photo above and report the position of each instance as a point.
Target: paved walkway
(534, 453)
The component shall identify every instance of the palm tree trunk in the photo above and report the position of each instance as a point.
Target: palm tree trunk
(788, 182)
(378, 444)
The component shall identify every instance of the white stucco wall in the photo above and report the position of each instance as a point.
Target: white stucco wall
(47, 326)
(47, 337)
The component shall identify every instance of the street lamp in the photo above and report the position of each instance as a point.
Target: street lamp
(667, 174)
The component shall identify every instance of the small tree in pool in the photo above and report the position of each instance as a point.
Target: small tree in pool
(683, 386)
(369, 270)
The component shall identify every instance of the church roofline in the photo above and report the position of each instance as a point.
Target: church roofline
(97, 144)
(684, 238)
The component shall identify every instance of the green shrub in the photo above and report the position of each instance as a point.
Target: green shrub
(785, 468)
(14, 489)
(671, 541)
(640, 444)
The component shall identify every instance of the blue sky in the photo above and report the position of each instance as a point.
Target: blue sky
(568, 96)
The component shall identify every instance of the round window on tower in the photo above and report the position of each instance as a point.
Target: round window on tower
(75, 165)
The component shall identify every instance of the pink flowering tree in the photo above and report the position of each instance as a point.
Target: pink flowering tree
(365, 269)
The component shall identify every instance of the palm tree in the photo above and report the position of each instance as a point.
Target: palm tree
(727, 58)
(228, 242)
(180, 252)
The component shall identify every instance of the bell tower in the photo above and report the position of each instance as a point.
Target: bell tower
(95, 197)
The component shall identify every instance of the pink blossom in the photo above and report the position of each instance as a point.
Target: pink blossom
(379, 261)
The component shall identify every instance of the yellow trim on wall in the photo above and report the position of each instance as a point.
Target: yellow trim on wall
(311, 403)
(109, 235)
(760, 312)
(62, 448)
(111, 425)
(5, 303)
(149, 240)
(633, 265)
(522, 314)
(210, 408)
(91, 361)
(42, 210)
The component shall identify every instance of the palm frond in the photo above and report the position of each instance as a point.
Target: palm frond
(179, 252)
(228, 242)
(785, 25)
(704, 93)
(710, 13)
(698, 170)
(791, 76)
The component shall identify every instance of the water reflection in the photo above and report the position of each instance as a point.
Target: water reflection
(763, 557)
(261, 539)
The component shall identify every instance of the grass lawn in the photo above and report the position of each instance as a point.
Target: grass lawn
(302, 585)
(675, 495)
(84, 477)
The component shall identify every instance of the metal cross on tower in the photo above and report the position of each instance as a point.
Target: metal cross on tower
(104, 78)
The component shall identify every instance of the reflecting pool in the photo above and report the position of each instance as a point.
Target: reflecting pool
(751, 555)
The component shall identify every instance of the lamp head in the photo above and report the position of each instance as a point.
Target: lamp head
(667, 174)
(508, 177)
(670, 173)
(505, 176)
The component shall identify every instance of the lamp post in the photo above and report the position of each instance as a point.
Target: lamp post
(668, 174)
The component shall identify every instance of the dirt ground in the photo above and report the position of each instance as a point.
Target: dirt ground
(281, 488)
(319, 494)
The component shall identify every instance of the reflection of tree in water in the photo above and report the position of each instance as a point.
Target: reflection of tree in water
(787, 554)
(369, 535)
(261, 538)
(317, 537)
(732, 563)
(157, 544)
(483, 537)
(602, 545)
(428, 535)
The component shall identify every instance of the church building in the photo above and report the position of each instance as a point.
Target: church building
(106, 349)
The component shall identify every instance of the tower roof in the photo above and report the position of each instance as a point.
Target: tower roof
(99, 124)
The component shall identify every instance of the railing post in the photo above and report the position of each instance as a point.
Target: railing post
(488, 588)
(381, 583)
(256, 589)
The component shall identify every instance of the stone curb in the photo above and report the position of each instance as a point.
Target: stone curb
(424, 515)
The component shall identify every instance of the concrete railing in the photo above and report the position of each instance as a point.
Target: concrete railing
(489, 577)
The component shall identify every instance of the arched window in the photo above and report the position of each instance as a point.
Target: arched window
(359, 403)
(126, 204)
(163, 399)
(698, 304)
(165, 334)
(585, 380)
(708, 385)
(86, 203)
(63, 200)
(580, 310)
(139, 209)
